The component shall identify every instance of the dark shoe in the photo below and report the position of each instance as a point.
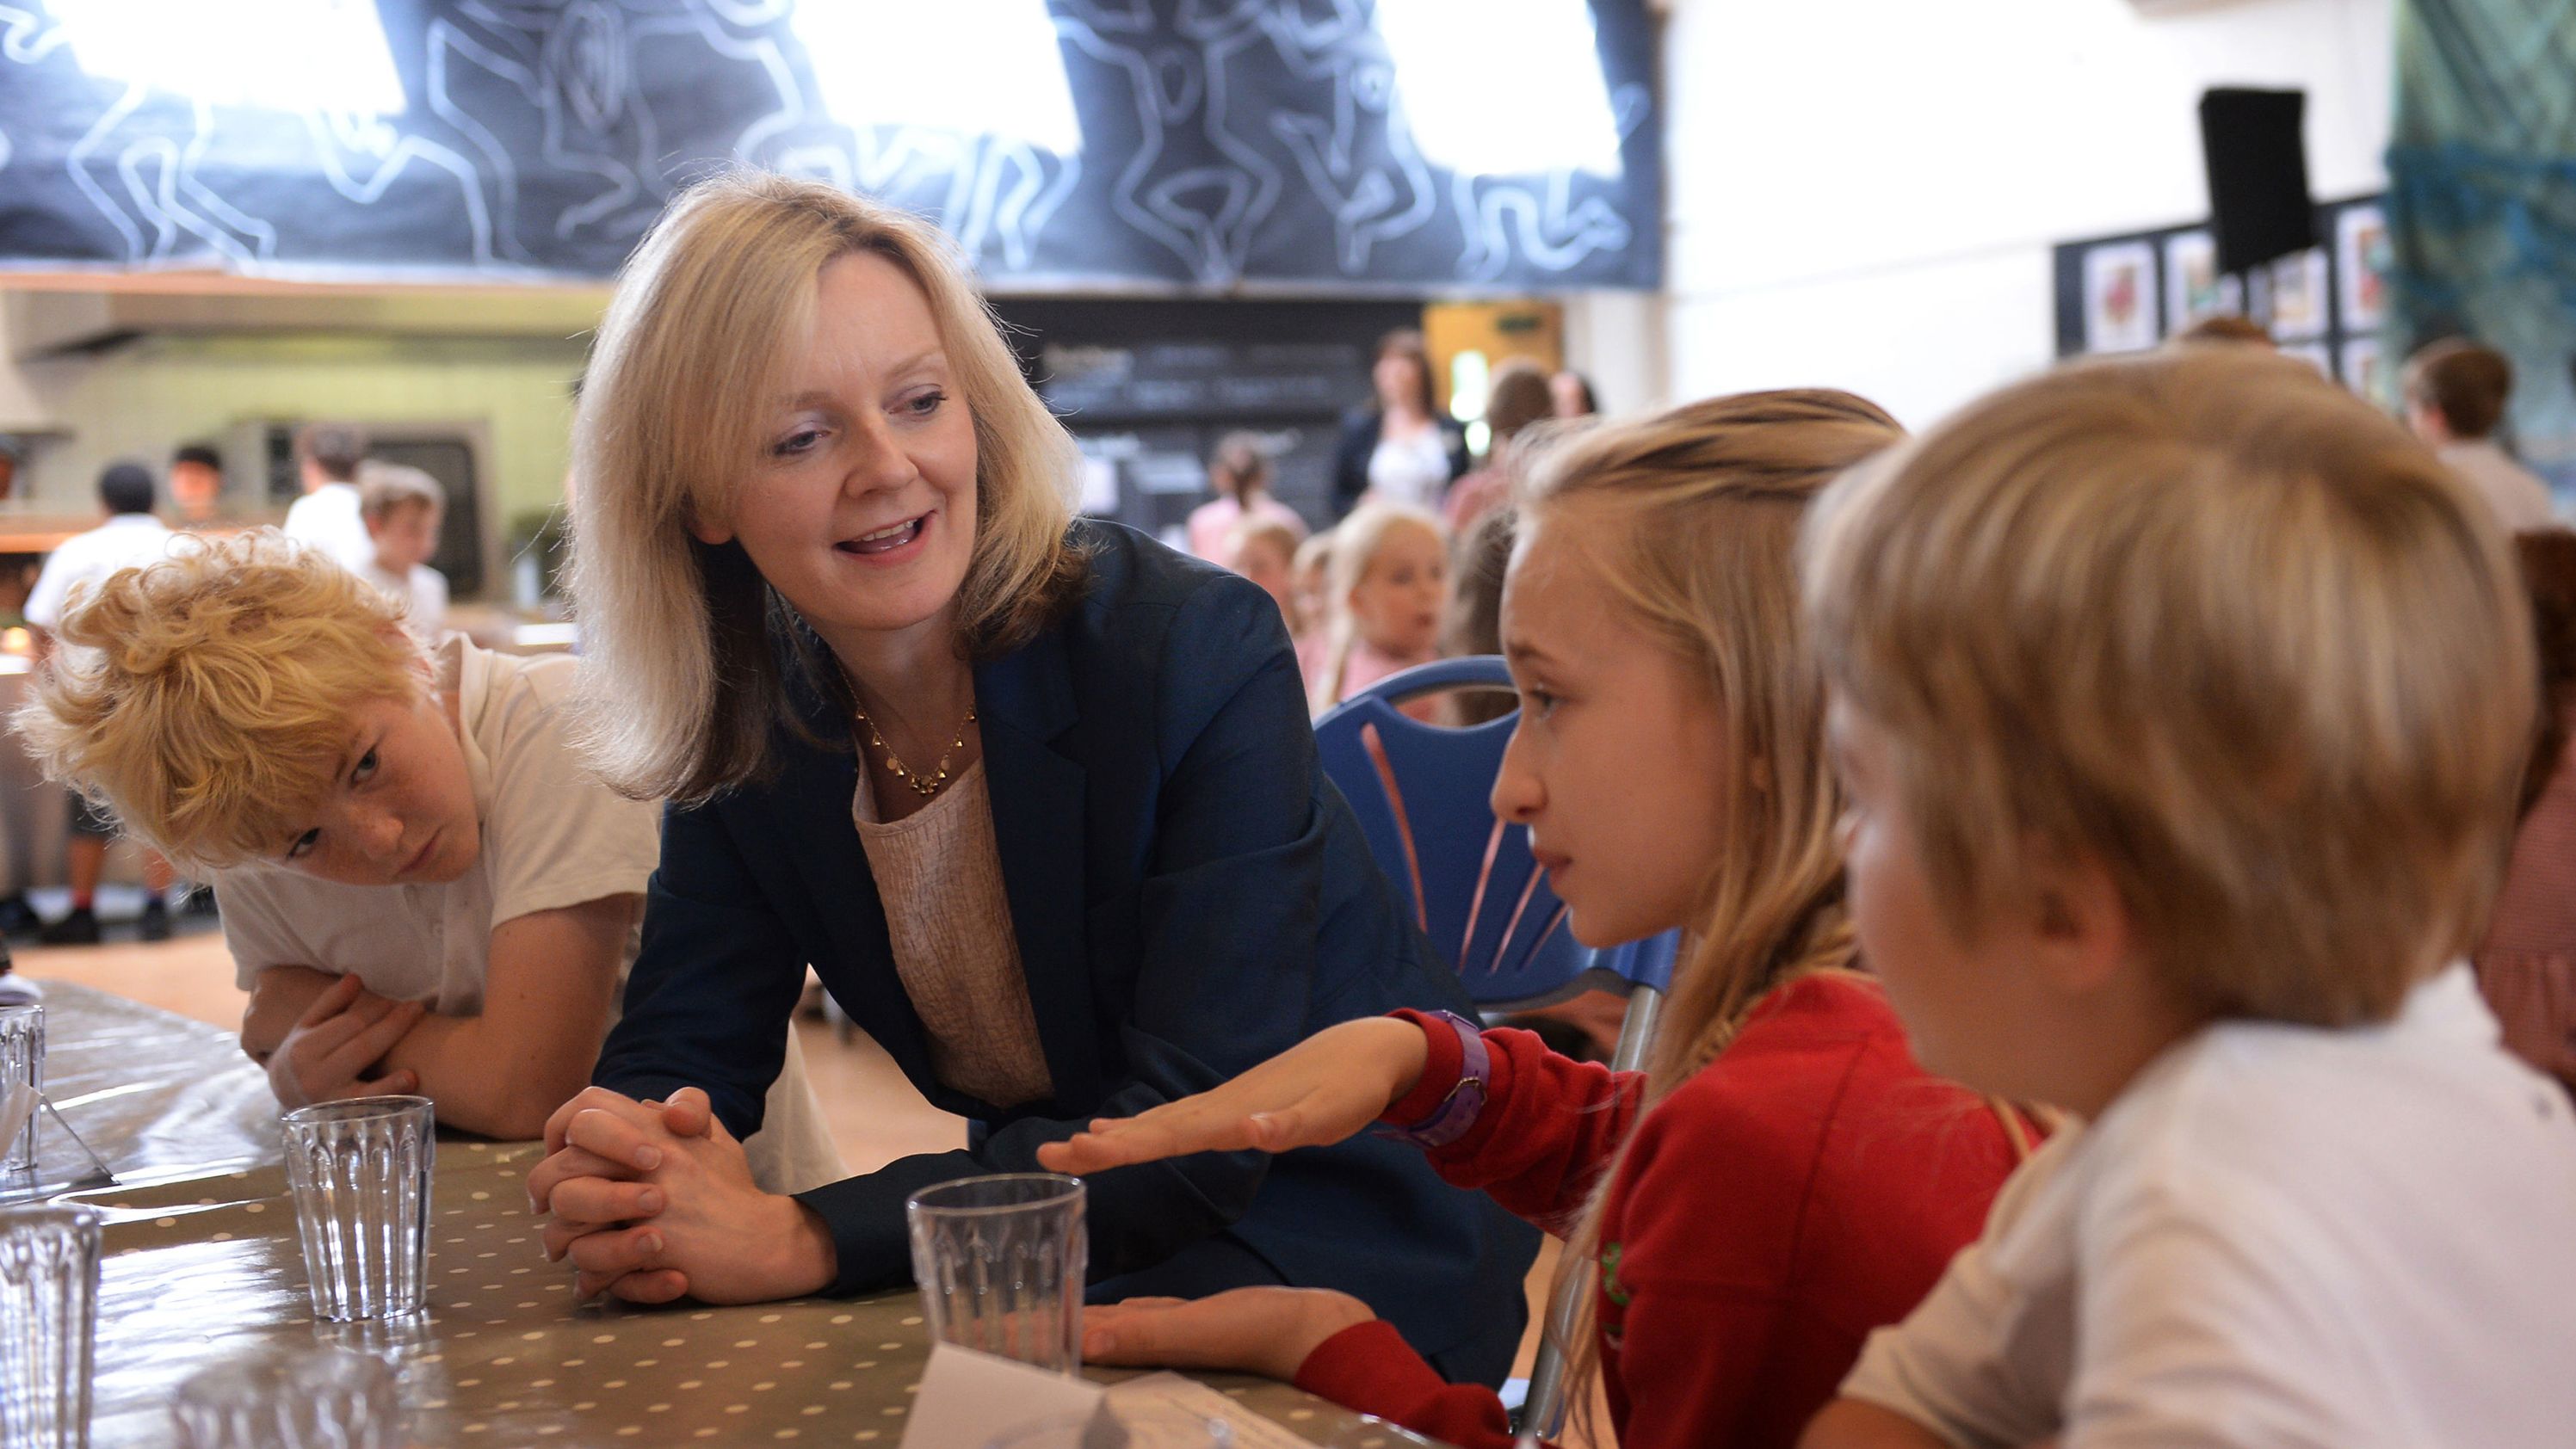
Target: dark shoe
(156, 920)
(17, 918)
(77, 928)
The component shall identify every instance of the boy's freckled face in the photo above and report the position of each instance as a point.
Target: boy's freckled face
(401, 811)
(405, 538)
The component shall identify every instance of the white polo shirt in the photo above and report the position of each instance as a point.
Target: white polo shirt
(328, 518)
(2279, 1236)
(84, 559)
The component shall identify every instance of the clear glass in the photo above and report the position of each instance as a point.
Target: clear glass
(22, 1061)
(1000, 1261)
(48, 1322)
(360, 1173)
(325, 1398)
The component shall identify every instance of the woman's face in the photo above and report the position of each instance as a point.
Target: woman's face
(1565, 391)
(860, 506)
(1396, 604)
(1399, 382)
(1619, 765)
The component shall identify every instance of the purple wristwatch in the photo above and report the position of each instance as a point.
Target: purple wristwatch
(1457, 1111)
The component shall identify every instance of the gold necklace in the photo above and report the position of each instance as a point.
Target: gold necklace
(939, 779)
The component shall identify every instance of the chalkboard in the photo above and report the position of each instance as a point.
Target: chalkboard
(1193, 143)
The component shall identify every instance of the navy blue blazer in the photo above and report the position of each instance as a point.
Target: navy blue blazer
(1190, 895)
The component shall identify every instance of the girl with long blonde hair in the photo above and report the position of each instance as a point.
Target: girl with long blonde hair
(1782, 1178)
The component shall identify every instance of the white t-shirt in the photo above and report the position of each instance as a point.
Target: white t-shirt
(1412, 470)
(552, 836)
(2517, 494)
(422, 594)
(86, 558)
(2278, 1236)
(328, 517)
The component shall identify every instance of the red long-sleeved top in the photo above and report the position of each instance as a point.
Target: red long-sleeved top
(1805, 1187)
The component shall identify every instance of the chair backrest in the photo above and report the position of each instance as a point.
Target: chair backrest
(1423, 797)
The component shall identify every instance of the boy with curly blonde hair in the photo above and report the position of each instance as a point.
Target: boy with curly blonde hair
(2182, 705)
(422, 886)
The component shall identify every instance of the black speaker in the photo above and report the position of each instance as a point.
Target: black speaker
(2258, 175)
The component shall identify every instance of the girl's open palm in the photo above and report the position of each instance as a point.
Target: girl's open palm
(1318, 1092)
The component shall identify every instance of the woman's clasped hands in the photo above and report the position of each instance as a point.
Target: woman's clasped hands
(653, 1201)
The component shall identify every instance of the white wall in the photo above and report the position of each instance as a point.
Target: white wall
(1863, 193)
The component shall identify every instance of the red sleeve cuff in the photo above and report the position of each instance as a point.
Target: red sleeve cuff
(1368, 1367)
(1443, 1059)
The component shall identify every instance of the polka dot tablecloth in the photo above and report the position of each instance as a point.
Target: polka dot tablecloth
(204, 1266)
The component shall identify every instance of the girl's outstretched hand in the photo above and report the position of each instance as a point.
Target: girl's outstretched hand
(1326, 1088)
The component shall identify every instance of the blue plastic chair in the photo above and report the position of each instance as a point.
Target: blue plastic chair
(1423, 797)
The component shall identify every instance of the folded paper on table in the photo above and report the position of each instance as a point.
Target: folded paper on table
(968, 1400)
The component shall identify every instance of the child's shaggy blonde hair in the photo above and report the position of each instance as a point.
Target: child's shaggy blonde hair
(2216, 625)
(207, 698)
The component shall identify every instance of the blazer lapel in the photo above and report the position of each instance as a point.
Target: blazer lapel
(1025, 702)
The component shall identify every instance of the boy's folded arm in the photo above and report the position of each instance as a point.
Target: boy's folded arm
(279, 997)
(546, 995)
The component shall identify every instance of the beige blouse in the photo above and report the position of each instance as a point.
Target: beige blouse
(939, 874)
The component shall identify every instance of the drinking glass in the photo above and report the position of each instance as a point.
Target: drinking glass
(360, 1173)
(22, 1063)
(48, 1321)
(1000, 1262)
(325, 1398)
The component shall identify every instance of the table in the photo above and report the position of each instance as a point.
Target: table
(201, 1260)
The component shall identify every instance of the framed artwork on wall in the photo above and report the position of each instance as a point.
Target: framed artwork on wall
(2361, 265)
(2299, 296)
(2194, 290)
(2120, 297)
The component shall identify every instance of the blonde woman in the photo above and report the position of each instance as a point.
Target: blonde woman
(1035, 797)
(1783, 1178)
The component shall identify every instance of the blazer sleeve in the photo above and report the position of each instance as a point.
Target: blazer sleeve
(715, 984)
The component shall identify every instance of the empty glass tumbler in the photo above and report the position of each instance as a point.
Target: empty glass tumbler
(325, 1398)
(22, 1064)
(1000, 1261)
(48, 1321)
(360, 1173)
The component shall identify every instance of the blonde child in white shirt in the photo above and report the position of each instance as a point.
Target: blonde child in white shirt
(2181, 704)
(422, 887)
(401, 507)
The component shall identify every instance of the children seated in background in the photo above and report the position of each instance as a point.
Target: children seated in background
(1264, 550)
(401, 507)
(1308, 575)
(1385, 586)
(1516, 396)
(422, 887)
(2181, 704)
(1239, 473)
(132, 534)
(2455, 397)
(1783, 1178)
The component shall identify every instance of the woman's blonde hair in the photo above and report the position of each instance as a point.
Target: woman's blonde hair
(207, 698)
(1690, 519)
(2217, 626)
(1355, 545)
(692, 653)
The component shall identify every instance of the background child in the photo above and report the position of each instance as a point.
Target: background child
(1783, 1177)
(132, 534)
(1239, 473)
(2455, 396)
(1307, 582)
(1386, 585)
(422, 887)
(2182, 704)
(401, 507)
(327, 456)
(1264, 550)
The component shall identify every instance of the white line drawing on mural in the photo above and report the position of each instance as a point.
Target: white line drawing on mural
(1360, 162)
